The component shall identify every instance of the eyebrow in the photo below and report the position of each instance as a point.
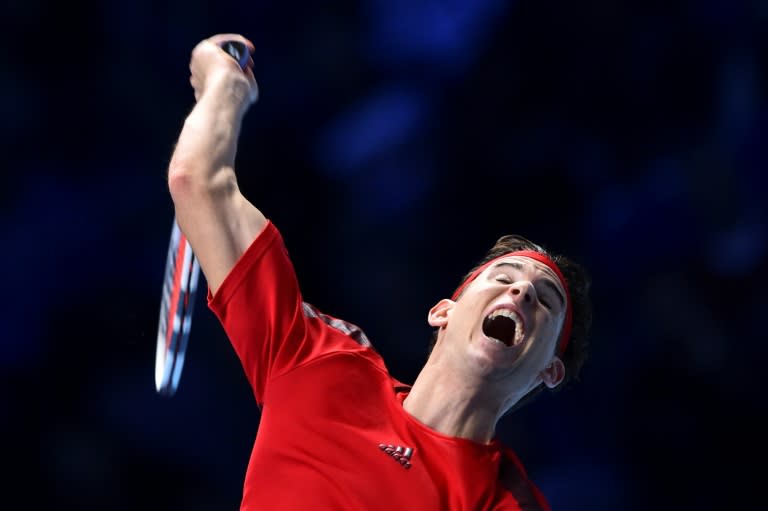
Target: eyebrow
(547, 281)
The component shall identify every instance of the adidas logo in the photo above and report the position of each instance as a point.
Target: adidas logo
(399, 453)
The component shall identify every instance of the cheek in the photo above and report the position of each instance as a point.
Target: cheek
(549, 328)
(546, 320)
(553, 320)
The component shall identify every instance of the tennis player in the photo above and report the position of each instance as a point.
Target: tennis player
(337, 432)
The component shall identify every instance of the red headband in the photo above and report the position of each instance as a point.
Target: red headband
(537, 256)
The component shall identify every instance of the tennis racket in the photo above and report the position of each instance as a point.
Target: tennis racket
(177, 301)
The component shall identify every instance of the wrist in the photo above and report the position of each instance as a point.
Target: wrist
(228, 93)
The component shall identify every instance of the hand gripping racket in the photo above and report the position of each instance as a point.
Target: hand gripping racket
(177, 301)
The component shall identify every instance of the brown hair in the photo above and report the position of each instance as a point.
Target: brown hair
(579, 282)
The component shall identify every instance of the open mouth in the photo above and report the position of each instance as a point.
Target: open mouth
(504, 326)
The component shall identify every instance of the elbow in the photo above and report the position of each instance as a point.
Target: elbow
(181, 183)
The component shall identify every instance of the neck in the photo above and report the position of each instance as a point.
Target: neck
(453, 404)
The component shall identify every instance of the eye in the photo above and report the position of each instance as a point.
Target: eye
(545, 303)
(503, 279)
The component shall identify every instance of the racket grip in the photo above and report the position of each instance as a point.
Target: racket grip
(238, 51)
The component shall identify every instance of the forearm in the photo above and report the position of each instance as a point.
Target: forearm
(204, 157)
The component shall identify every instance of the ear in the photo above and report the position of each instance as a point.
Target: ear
(438, 315)
(554, 373)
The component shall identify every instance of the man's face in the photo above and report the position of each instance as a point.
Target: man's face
(507, 322)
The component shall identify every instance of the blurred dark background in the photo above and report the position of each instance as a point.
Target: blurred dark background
(393, 143)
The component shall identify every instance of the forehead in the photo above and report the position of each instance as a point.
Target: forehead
(526, 264)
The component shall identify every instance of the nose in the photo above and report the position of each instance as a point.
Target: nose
(523, 289)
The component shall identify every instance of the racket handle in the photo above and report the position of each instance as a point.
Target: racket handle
(238, 51)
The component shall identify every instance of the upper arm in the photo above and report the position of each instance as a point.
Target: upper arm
(219, 222)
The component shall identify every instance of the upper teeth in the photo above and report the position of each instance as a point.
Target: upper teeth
(507, 313)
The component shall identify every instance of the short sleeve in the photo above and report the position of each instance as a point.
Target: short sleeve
(271, 328)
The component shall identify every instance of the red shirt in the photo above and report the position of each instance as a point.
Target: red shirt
(333, 433)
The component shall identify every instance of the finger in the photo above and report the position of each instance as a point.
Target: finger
(220, 39)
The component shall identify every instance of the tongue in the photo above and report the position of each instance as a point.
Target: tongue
(501, 328)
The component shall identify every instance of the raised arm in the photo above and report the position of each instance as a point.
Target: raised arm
(215, 217)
